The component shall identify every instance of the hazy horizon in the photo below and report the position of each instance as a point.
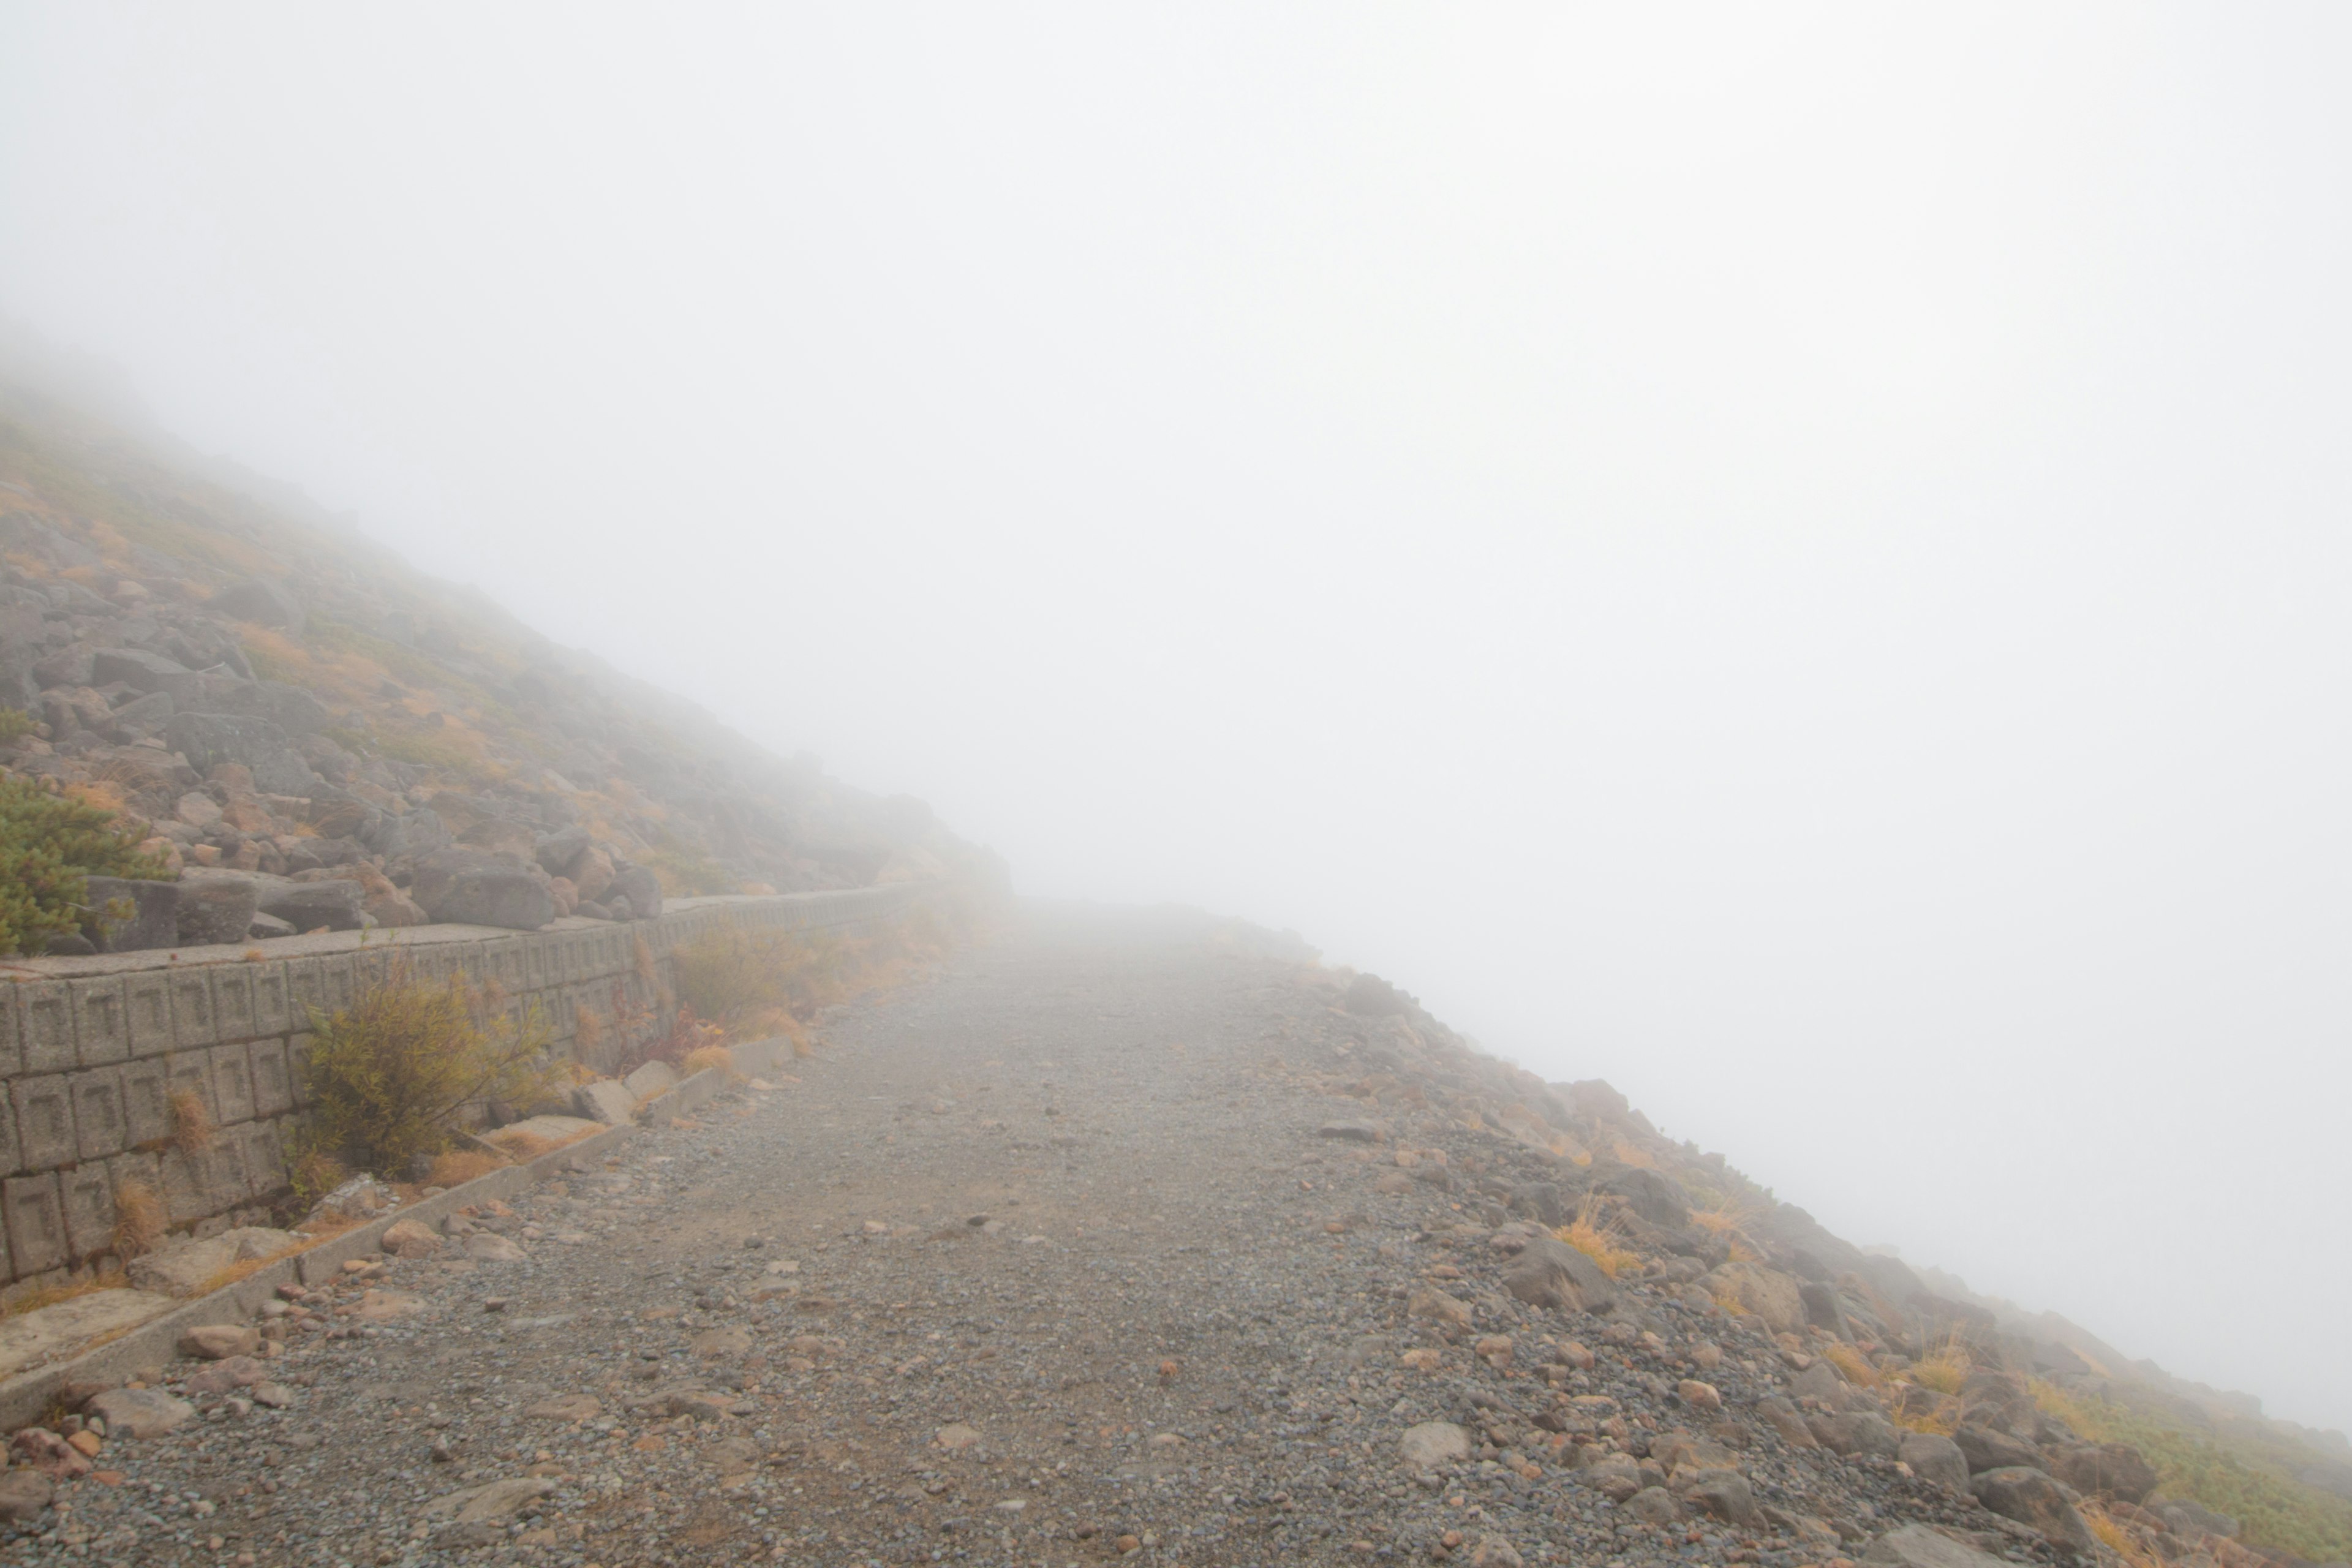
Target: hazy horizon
(1796, 563)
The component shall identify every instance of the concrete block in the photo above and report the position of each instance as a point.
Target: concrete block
(101, 1022)
(45, 1129)
(340, 977)
(45, 1026)
(306, 989)
(36, 1224)
(264, 1157)
(193, 1071)
(273, 1011)
(88, 1198)
(226, 1181)
(11, 1053)
(147, 1000)
(273, 1090)
(97, 1118)
(298, 1067)
(11, 1150)
(231, 1084)
(185, 1196)
(135, 1168)
(232, 1003)
(146, 1100)
(605, 1100)
(194, 1021)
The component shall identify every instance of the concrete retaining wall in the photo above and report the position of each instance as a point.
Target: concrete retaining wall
(92, 1049)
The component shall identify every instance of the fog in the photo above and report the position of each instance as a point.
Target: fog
(1795, 561)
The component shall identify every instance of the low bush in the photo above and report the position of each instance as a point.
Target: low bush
(16, 724)
(390, 1073)
(50, 847)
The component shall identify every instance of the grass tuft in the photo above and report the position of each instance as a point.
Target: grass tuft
(456, 1167)
(192, 1122)
(138, 1217)
(1601, 1241)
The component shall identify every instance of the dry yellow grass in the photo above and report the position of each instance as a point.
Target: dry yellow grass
(457, 1166)
(1599, 1242)
(2118, 1537)
(192, 1122)
(109, 1279)
(221, 1279)
(138, 1217)
(1855, 1365)
(531, 1145)
(587, 1031)
(703, 1059)
(1944, 1370)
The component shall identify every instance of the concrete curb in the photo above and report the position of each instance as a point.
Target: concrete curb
(26, 1397)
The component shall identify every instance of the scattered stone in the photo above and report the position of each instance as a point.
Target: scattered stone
(217, 1341)
(1433, 1444)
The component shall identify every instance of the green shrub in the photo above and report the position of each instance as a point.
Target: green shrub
(49, 848)
(16, 724)
(390, 1073)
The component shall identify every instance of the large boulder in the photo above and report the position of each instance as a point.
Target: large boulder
(2113, 1469)
(1919, 1546)
(1857, 1432)
(2031, 1497)
(592, 875)
(462, 887)
(1766, 1292)
(140, 1412)
(556, 851)
(417, 833)
(333, 903)
(1548, 1273)
(1987, 1449)
(640, 887)
(130, 914)
(135, 667)
(1935, 1458)
(1655, 1197)
(209, 739)
(265, 604)
(215, 909)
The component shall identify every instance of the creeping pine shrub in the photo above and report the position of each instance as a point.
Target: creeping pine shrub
(16, 724)
(50, 847)
(390, 1073)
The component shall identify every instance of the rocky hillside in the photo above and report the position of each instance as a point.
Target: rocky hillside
(313, 734)
(2039, 1423)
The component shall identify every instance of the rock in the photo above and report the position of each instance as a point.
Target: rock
(225, 1375)
(1434, 1443)
(134, 667)
(490, 1504)
(139, 1412)
(1766, 1292)
(569, 1407)
(215, 909)
(24, 1493)
(217, 1342)
(2192, 1519)
(1986, 1449)
(956, 1437)
(263, 603)
(556, 851)
(605, 1100)
(700, 1406)
(1354, 1132)
(274, 1395)
(1725, 1494)
(1616, 1478)
(412, 1238)
(651, 1079)
(1700, 1396)
(489, 1246)
(1654, 1196)
(2031, 1497)
(43, 1450)
(1496, 1350)
(307, 906)
(640, 887)
(1433, 1305)
(1548, 1273)
(1494, 1551)
(465, 887)
(130, 914)
(383, 1306)
(729, 1341)
(385, 903)
(197, 809)
(46, 1333)
(258, 745)
(1857, 1432)
(1935, 1457)
(187, 1268)
(1653, 1505)
(1917, 1546)
(592, 875)
(2111, 1469)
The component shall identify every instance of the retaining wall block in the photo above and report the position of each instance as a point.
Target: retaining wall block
(45, 1130)
(148, 999)
(101, 1022)
(11, 1050)
(11, 1149)
(193, 1071)
(88, 1201)
(45, 1026)
(306, 987)
(338, 975)
(298, 1067)
(273, 1091)
(232, 1083)
(194, 1020)
(264, 1157)
(185, 1197)
(98, 1114)
(273, 1009)
(232, 1003)
(146, 1100)
(135, 1168)
(37, 1227)
(226, 1181)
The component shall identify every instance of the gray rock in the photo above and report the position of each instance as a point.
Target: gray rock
(1653, 1505)
(208, 740)
(307, 906)
(556, 851)
(1725, 1494)
(139, 718)
(265, 604)
(139, 1412)
(1548, 1273)
(463, 886)
(1987, 1449)
(1656, 1196)
(1434, 1443)
(640, 887)
(1935, 1457)
(1917, 1546)
(154, 918)
(184, 1268)
(605, 1101)
(1857, 1432)
(135, 667)
(2112, 1469)
(652, 1079)
(25, 1492)
(419, 833)
(2032, 1499)
(267, 926)
(2193, 1520)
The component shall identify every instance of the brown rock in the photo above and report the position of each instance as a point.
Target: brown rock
(1433, 1305)
(1700, 1396)
(412, 1238)
(217, 1341)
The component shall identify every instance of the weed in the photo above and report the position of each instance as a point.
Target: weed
(702, 1059)
(222, 1279)
(456, 1167)
(1599, 1241)
(16, 724)
(1855, 1365)
(138, 1217)
(2118, 1537)
(390, 1072)
(192, 1122)
(110, 1277)
(316, 1174)
(587, 1031)
(1944, 1370)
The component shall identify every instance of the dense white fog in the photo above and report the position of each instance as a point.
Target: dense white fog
(1793, 560)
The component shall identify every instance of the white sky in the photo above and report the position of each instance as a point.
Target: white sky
(1794, 561)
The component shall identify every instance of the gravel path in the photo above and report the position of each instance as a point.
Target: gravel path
(1041, 1260)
